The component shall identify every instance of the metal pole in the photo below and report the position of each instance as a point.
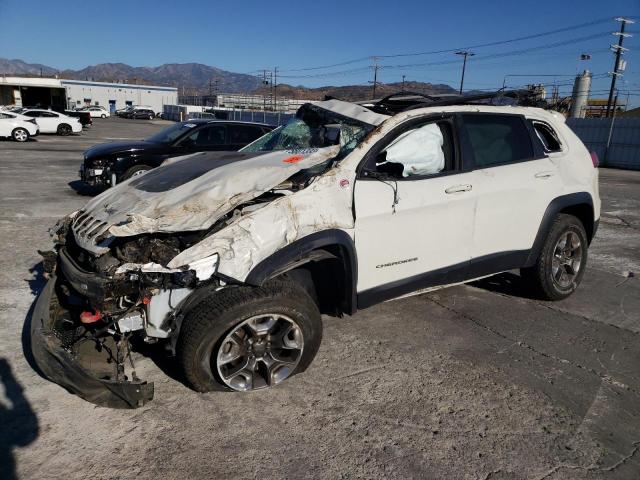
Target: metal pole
(613, 119)
(465, 54)
(616, 66)
(275, 87)
(403, 83)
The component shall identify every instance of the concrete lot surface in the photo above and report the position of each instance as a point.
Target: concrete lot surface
(471, 382)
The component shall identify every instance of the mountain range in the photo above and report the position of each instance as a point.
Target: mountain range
(199, 79)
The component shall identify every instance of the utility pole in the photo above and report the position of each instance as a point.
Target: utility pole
(465, 54)
(375, 67)
(264, 86)
(403, 83)
(275, 88)
(619, 50)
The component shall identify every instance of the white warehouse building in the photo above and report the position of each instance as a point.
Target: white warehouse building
(61, 94)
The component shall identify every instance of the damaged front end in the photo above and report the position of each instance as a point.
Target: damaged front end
(128, 265)
(89, 312)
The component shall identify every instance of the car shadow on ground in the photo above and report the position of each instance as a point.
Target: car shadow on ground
(19, 422)
(507, 283)
(162, 359)
(83, 189)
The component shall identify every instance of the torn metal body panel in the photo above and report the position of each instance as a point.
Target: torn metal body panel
(325, 204)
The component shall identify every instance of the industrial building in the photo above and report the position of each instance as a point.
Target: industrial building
(61, 94)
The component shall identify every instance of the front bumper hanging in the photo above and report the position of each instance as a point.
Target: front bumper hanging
(71, 369)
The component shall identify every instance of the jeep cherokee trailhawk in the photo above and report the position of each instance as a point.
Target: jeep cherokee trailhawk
(229, 258)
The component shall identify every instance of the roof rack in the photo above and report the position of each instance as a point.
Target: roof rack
(403, 101)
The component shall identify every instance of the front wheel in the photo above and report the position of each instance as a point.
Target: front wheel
(562, 261)
(249, 338)
(64, 130)
(20, 135)
(135, 171)
(103, 116)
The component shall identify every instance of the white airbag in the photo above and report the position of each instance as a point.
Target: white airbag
(419, 151)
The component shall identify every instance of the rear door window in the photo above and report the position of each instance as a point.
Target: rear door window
(497, 139)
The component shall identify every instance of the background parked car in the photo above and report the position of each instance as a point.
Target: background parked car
(110, 163)
(122, 112)
(97, 111)
(54, 122)
(141, 113)
(17, 126)
(84, 116)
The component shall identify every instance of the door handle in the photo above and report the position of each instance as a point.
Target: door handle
(459, 188)
(544, 175)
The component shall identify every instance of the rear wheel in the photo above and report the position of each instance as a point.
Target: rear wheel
(64, 129)
(135, 171)
(562, 261)
(248, 338)
(20, 135)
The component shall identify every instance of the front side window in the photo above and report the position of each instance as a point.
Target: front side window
(421, 151)
(416, 152)
(498, 139)
(171, 133)
(207, 136)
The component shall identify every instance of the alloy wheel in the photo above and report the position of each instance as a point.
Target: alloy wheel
(259, 352)
(20, 135)
(567, 259)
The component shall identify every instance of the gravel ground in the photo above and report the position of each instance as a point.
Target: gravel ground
(470, 382)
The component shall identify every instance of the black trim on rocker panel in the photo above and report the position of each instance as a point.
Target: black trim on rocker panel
(556, 205)
(477, 267)
(297, 250)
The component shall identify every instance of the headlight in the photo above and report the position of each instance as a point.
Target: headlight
(98, 163)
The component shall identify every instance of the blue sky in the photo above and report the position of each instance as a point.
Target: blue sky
(246, 36)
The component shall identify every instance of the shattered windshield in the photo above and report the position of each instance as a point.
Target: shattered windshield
(171, 133)
(313, 128)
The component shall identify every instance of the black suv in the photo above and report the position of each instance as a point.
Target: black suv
(110, 163)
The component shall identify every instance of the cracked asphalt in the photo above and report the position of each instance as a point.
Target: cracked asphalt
(472, 382)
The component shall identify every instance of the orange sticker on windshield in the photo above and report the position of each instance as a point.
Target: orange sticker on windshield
(293, 159)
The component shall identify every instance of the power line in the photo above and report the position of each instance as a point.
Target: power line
(449, 50)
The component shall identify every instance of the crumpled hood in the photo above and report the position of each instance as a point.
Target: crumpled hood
(187, 193)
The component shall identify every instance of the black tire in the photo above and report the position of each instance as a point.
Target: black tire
(103, 116)
(135, 170)
(20, 134)
(540, 277)
(207, 324)
(64, 129)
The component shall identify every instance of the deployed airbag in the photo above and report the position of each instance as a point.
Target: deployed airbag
(419, 151)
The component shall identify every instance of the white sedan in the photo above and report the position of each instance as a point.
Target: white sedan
(97, 111)
(17, 126)
(54, 122)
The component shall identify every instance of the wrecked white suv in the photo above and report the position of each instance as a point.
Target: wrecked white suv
(229, 258)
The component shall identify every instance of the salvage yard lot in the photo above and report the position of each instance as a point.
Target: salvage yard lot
(469, 382)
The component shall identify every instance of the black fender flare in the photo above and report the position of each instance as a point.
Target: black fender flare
(556, 206)
(301, 251)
